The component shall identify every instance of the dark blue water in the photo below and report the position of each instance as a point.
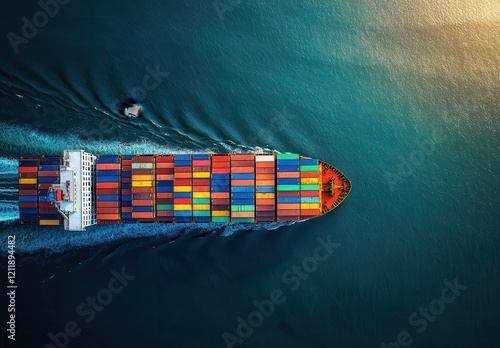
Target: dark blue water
(403, 98)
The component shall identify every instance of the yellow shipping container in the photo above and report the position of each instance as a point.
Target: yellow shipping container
(182, 206)
(142, 183)
(201, 194)
(201, 175)
(201, 206)
(309, 205)
(220, 212)
(142, 177)
(27, 180)
(182, 188)
(49, 222)
(307, 181)
(264, 195)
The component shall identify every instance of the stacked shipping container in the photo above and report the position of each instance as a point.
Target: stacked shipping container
(165, 188)
(265, 194)
(108, 182)
(309, 188)
(288, 187)
(28, 190)
(220, 188)
(183, 189)
(242, 188)
(201, 188)
(143, 188)
(127, 189)
(48, 174)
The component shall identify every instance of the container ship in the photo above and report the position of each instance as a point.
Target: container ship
(79, 189)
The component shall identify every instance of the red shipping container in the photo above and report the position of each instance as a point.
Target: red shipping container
(164, 158)
(242, 170)
(220, 158)
(28, 169)
(184, 169)
(202, 163)
(164, 201)
(265, 201)
(264, 170)
(142, 190)
(165, 195)
(242, 157)
(165, 165)
(183, 182)
(28, 187)
(126, 192)
(309, 193)
(182, 200)
(49, 173)
(165, 170)
(126, 180)
(220, 170)
(126, 162)
(289, 212)
(107, 211)
(201, 182)
(242, 164)
(143, 159)
(44, 186)
(28, 205)
(288, 194)
(309, 212)
(142, 203)
(107, 185)
(143, 172)
(143, 215)
(108, 216)
(288, 175)
(220, 164)
(165, 213)
(45, 205)
(27, 175)
(199, 188)
(264, 164)
(108, 204)
(107, 166)
(28, 192)
(219, 201)
(126, 209)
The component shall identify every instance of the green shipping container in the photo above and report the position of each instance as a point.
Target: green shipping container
(312, 168)
(164, 207)
(309, 187)
(288, 187)
(142, 165)
(201, 212)
(243, 207)
(242, 219)
(201, 200)
(223, 219)
(287, 156)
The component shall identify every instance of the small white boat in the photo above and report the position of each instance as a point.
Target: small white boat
(133, 111)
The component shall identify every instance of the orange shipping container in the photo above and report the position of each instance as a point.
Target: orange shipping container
(107, 211)
(264, 170)
(108, 216)
(288, 175)
(264, 183)
(28, 169)
(309, 212)
(164, 213)
(265, 201)
(264, 164)
(220, 194)
(286, 206)
(107, 166)
(108, 204)
(182, 176)
(143, 215)
(142, 190)
(242, 214)
(49, 173)
(242, 157)
(164, 195)
(220, 164)
(242, 182)
(241, 169)
(165, 177)
(264, 176)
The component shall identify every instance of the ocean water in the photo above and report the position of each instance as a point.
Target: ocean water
(403, 97)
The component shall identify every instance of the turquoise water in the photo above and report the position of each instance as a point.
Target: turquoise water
(403, 98)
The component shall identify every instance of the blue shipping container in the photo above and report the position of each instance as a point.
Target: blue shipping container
(51, 160)
(182, 157)
(201, 156)
(288, 181)
(108, 198)
(107, 179)
(108, 159)
(179, 163)
(242, 189)
(242, 176)
(288, 200)
(220, 177)
(107, 172)
(28, 198)
(287, 162)
(264, 189)
(143, 209)
(220, 188)
(48, 167)
(288, 168)
(242, 202)
(308, 162)
(28, 163)
(182, 194)
(239, 195)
